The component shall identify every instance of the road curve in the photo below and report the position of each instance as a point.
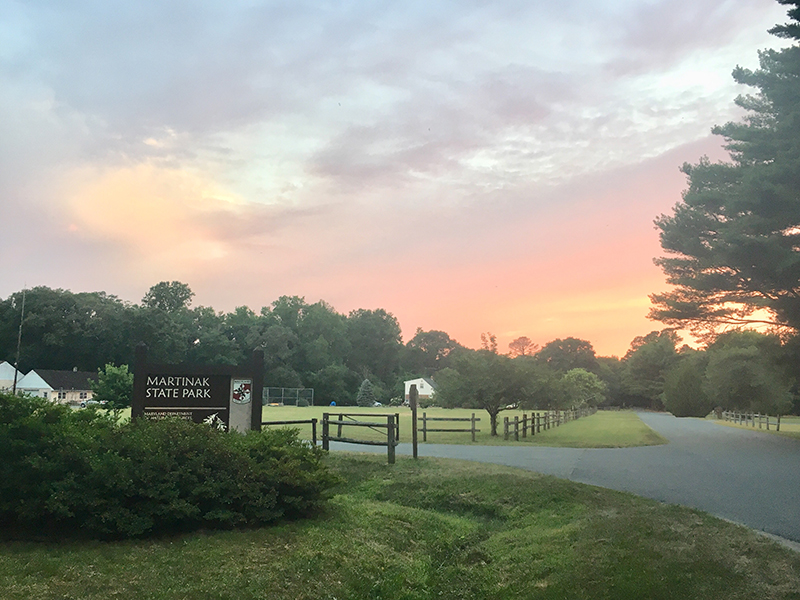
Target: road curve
(744, 476)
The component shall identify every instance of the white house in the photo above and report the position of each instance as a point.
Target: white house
(66, 387)
(34, 385)
(425, 387)
(7, 376)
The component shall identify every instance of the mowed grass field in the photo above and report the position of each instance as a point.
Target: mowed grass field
(424, 530)
(604, 429)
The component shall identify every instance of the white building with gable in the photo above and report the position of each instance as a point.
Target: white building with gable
(425, 387)
(7, 376)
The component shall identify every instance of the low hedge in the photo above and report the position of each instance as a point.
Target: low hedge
(66, 472)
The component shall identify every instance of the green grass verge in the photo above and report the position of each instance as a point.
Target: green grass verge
(605, 429)
(429, 529)
(790, 427)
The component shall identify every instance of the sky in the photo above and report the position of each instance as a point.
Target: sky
(468, 166)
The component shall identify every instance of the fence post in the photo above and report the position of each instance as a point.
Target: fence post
(325, 434)
(505, 428)
(538, 422)
(413, 395)
(397, 426)
(390, 425)
(778, 425)
(424, 427)
(767, 422)
(314, 431)
(524, 426)
(516, 428)
(473, 427)
(339, 430)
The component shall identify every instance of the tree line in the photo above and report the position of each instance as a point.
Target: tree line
(314, 346)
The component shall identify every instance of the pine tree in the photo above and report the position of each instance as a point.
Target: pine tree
(733, 243)
(366, 395)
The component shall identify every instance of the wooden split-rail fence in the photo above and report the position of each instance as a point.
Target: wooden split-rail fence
(425, 429)
(333, 425)
(392, 427)
(745, 418)
(541, 421)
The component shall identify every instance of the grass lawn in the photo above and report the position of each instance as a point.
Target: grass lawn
(605, 429)
(790, 426)
(429, 529)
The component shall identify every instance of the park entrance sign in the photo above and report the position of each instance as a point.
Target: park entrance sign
(221, 395)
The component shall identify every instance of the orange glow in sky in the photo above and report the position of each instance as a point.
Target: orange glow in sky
(468, 168)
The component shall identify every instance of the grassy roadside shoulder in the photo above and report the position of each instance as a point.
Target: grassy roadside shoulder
(790, 427)
(428, 529)
(604, 429)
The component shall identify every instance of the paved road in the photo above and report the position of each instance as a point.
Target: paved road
(744, 476)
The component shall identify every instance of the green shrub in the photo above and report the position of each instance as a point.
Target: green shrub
(79, 472)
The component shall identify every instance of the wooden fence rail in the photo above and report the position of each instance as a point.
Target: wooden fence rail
(392, 426)
(300, 422)
(425, 429)
(745, 418)
(541, 420)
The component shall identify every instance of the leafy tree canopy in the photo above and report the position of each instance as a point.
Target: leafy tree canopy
(569, 353)
(482, 379)
(732, 245)
(169, 296)
(647, 364)
(743, 373)
(428, 352)
(583, 388)
(684, 392)
(522, 346)
(114, 385)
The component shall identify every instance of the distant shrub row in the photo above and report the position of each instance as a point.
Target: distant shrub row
(65, 472)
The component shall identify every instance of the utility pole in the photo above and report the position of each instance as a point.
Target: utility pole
(19, 343)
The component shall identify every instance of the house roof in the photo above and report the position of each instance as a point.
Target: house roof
(66, 380)
(427, 380)
(32, 381)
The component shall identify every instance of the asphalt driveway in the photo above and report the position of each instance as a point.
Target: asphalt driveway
(745, 476)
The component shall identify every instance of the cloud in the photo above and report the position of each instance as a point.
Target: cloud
(347, 151)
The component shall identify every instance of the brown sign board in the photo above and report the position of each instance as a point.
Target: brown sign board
(215, 394)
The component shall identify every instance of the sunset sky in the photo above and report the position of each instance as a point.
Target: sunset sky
(468, 166)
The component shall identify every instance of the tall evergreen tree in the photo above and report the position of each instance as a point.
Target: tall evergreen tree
(733, 243)
(366, 395)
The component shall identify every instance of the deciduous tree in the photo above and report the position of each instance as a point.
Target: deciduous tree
(743, 373)
(114, 386)
(522, 346)
(569, 353)
(169, 296)
(484, 380)
(583, 388)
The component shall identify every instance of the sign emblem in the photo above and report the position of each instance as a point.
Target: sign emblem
(242, 391)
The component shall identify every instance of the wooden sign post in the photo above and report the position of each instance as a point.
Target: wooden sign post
(413, 395)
